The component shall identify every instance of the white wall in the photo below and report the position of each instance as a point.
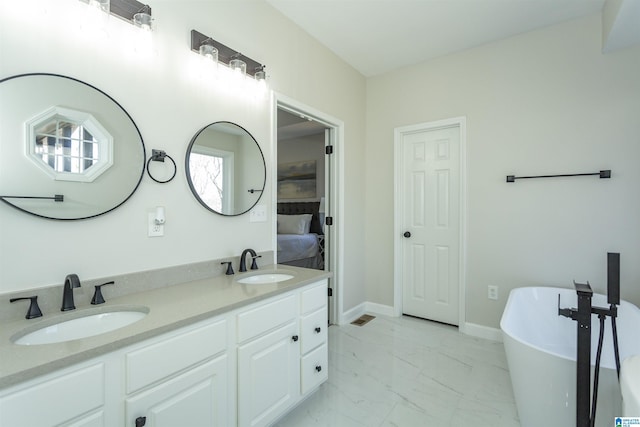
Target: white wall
(544, 102)
(163, 90)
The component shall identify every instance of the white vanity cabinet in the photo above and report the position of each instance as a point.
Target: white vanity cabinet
(247, 367)
(69, 397)
(180, 380)
(282, 354)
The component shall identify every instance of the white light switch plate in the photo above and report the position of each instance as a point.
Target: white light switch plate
(258, 214)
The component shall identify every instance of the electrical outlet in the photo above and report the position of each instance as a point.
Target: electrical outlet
(492, 292)
(155, 230)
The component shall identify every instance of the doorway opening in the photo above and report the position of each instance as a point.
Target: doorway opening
(306, 176)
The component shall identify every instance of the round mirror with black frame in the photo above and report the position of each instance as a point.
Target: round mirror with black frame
(69, 151)
(225, 168)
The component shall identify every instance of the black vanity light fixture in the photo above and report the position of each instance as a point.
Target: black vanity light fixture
(218, 52)
(132, 11)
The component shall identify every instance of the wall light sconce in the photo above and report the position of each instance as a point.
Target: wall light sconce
(231, 58)
(209, 51)
(143, 19)
(131, 11)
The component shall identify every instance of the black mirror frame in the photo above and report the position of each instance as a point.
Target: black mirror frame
(144, 154)
(188, 171)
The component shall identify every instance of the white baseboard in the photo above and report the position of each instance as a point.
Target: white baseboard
(352, 314)
(384, 310)
(481, 331)
(364, 308)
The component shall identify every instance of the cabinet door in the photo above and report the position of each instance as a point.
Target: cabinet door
(195, 398)
(268, 376)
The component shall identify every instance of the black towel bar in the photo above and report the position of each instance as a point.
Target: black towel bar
(57, 197)
(601, 174)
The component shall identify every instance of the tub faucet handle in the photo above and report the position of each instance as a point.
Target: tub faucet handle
(566, 312)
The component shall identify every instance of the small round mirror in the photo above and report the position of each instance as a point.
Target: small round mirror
(225, 168)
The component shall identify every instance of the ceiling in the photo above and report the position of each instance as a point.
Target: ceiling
(292, 126)
(378, 36)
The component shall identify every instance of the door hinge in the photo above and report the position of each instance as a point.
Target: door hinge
(330, 293)
(328, 220)
(329, 149)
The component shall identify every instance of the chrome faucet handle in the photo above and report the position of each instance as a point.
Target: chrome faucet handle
(97, 294)
(34, 309)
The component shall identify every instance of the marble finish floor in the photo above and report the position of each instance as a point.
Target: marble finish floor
(409, 372)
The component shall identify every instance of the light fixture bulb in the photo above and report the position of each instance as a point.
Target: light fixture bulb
(238, 66)
(102, 5)
(209, 52)
(261, 75)
(143, 20)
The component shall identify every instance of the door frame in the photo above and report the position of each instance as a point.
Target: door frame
(399, 199)
(336, 201)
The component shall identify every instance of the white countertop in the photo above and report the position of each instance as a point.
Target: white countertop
(170, 308)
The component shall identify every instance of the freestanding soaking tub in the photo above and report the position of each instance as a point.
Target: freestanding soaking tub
(541, 353)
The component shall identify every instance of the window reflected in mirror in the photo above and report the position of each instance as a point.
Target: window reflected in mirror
(69, 145)
(212, 177)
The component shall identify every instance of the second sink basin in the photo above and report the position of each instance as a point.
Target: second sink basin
(81, 327)
(265, 278)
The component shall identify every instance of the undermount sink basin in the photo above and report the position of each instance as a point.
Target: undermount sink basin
(265, 278)
(81, 327)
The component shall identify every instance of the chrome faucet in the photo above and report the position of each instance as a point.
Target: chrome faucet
(243, 263)
(70, 282)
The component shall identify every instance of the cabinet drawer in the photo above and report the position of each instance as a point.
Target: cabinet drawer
(169, 356)
(57, 400)
(314, 367)
(256, 321)
(313, 329)
(314, 298)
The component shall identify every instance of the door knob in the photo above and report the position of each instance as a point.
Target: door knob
(407, 234)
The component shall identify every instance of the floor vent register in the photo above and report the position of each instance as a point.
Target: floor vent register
(363, 320)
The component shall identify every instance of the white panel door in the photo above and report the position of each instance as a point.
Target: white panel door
(431, 224)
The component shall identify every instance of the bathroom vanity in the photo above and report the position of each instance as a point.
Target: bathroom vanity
(212, 352)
